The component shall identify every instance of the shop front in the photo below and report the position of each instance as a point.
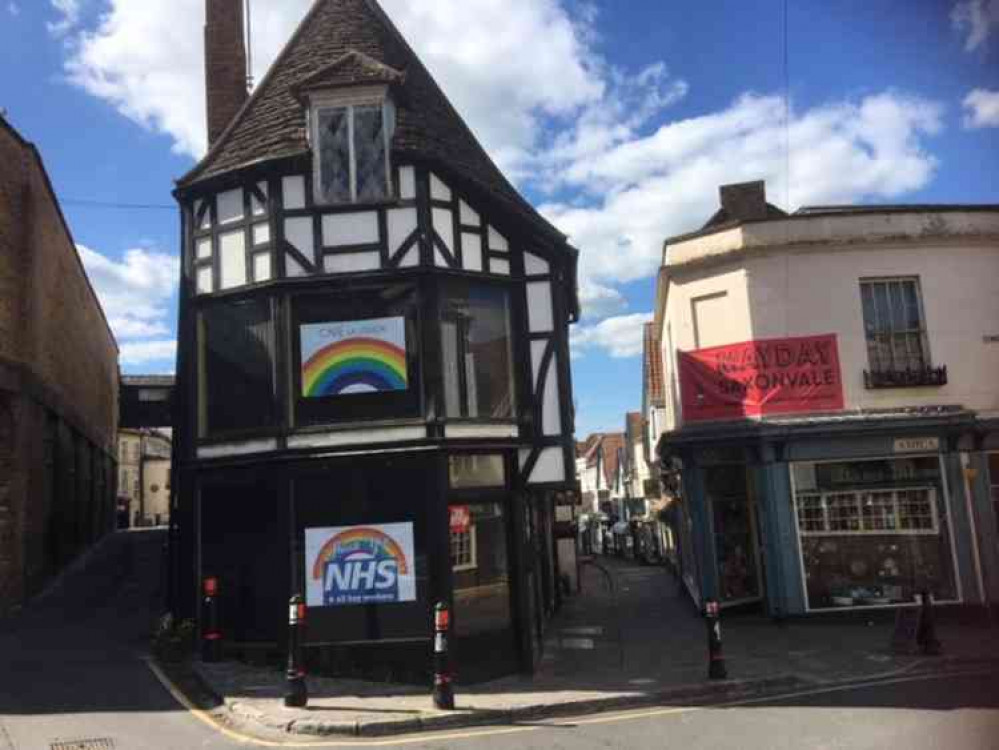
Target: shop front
(816, 515)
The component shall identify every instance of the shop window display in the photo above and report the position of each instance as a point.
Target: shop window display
(481, 571)
(873, 532)
(735, 532)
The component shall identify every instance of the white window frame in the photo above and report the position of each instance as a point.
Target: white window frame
(858, 498)
(365, 96)
(924, 338)
(472, 563)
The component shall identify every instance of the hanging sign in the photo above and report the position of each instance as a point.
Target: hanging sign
(461, 519)
(371, 564)
(346, 357)
(770, 376)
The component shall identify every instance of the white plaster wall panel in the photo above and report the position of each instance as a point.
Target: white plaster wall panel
(730, 280)
(550, 466)
(356, 437)
(468, 215)
(204, 280)
(410, 258)
(237, 449)
(293, 189)
(497, 241)
(401, 223)
(537, 352)
(439, 260)
(712, 319)
(471, 251)
(438, 190)
(292, 267)
(500, 266)
(298, 232)
(551, 416)
(407, 183)
(444, 226)
(539, 306)
(535, 266)
(352, 262)
(203, 248)
(261, 233)
(359, 228)
(256, 207)
(262, 267)
(230, 205)
(232, 259)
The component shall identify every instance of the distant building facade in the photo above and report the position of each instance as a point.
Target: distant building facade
(58, 385)
(831, 403)
(144, 476)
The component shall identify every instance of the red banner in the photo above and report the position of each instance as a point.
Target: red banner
(770, 376)
(461, 518)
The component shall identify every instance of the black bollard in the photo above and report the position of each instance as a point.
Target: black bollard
(443, 689)
(298, 692)
(927, 635)
(211, 634)
(716, 660)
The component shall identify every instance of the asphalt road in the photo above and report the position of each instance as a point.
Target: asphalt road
(72, 670)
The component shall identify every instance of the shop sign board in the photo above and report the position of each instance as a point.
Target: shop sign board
(917, 445)
(460, 518)
(371, 564)
(767, 376)
(340, 358)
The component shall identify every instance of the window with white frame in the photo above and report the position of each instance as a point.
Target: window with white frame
(895, 511)
(350, 143)
(894, 325)
(463, 549)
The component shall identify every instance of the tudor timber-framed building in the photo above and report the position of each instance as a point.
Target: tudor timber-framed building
(373, 337)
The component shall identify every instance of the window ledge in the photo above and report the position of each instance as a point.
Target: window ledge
(925, 377)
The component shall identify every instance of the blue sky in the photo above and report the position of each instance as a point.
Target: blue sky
(618, 119)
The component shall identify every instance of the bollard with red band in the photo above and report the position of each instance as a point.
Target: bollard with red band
(926, 636)
(211, 633)
(716, 660)
(443, 689)
(298, 693)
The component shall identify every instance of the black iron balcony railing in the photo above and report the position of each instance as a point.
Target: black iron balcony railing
(907, 378)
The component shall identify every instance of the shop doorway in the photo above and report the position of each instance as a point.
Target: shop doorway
(734, 523)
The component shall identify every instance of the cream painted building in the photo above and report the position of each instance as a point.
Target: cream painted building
(144, 476)
(831, 391)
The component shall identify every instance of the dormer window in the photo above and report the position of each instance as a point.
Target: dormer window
(350, 134)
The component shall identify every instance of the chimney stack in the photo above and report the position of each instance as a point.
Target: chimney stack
(225, 64)
(744, 200)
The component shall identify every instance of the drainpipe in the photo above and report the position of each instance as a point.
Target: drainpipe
(966, 472)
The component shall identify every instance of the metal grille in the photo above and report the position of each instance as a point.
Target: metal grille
(101, 743)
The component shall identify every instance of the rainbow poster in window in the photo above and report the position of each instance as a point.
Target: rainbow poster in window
(348, 357)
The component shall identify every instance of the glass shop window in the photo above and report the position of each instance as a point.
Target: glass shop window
(356, 359)
(352, 152)
(236, 367)
(476, 470)
(873, 532)
(480, 568)
(476, 350)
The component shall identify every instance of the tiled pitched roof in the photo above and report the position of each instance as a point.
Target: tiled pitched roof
(652, 368)
(353, 68)
(271, 125)
(612, 447)
(587, 448)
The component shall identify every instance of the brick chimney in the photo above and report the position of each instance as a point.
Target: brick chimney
(744, 200)
(225, 63)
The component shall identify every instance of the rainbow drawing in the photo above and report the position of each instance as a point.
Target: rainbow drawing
(341, 358)
(360, 541)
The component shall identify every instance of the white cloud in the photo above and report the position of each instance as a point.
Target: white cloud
(134, 292)
(598, 301)
(144, 352)
(621, 336)
(13, 8)
(644, 189)
(69, 16)
(976, 19)
(981, 109)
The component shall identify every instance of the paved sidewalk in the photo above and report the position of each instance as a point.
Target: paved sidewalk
(631, 638)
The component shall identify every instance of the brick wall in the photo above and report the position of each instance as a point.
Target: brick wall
(225, 63)
(58, 385)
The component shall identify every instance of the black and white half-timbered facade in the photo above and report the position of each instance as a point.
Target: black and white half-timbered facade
(373, 402)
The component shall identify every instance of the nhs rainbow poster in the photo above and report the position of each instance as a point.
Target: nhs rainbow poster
(372, 564)
(360, 356)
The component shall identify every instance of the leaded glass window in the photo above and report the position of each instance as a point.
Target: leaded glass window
(352, 164)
